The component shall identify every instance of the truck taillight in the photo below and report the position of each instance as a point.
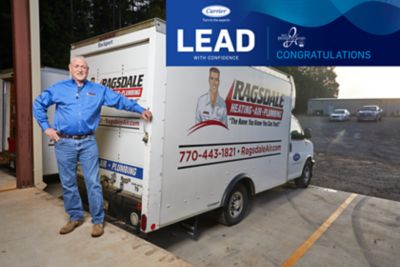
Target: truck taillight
(143, 222)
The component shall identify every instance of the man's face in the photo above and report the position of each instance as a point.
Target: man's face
(213, 79)
(79, 70)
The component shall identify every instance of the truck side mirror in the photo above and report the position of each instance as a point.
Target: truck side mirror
(307, 133)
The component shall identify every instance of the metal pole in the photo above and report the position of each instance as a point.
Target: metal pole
(23, 87)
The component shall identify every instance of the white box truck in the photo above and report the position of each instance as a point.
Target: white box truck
(218, 136)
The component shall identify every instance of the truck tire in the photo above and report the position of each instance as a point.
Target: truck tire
(304, 180)
(236, 206)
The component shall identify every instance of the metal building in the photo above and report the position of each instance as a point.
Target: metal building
(325, 106)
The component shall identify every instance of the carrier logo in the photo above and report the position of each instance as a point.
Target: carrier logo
(129, 86)
(216, 11)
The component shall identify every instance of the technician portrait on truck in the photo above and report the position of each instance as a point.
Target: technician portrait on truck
(78, 106)
(211, 106)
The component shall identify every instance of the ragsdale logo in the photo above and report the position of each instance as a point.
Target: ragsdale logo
(216, 11)
(130, 86)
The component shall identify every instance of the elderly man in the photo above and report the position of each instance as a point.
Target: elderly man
(78, 105)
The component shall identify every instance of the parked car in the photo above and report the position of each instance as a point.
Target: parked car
(339, 115)
(369, 112)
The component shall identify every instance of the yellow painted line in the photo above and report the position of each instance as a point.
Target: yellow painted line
(8, 189)
(300, 251)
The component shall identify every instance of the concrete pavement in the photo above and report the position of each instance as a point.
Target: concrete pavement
(29, 223)
(7, 182)
(280, 228)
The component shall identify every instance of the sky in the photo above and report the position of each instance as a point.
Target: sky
(368, 82)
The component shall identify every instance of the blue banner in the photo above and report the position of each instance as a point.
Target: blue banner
(121, 168)
(283, 33)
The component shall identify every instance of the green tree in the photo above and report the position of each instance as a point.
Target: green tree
(55, 32)
(312, 82)
(65, 22)
(5, 35)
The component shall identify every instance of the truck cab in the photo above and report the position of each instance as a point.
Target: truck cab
(300, 154)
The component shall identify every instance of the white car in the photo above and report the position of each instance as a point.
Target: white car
(339, 115)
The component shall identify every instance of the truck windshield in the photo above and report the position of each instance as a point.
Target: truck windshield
(295, 127)
(369, 108)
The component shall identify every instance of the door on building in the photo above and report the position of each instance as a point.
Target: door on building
(9, 125)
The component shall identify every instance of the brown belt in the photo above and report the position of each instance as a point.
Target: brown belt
(76, 137)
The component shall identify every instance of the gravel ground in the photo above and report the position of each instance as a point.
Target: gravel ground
(360, 157)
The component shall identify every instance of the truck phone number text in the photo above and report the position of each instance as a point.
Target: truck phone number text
(195, 155)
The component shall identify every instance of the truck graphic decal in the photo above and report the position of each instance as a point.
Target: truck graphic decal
(135, 92)
(253, 101)
(130, 86)
(198, 155)
(246, 104)
(206, 123)
(120, 122)
(121, 168)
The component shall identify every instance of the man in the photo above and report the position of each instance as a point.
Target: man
(211, 106)
(78, 105)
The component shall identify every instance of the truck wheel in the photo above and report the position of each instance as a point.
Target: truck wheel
(304, 180)
(236, 206)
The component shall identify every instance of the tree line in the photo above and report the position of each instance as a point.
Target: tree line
(65, 22)
(312, 82)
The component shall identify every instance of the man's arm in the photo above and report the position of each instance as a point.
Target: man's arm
(118, 101)
(39, 108)
(147, 115)
(40, 105)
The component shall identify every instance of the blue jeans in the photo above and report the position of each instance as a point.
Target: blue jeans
(68, 153)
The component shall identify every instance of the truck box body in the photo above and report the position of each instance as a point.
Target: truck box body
(176, 166)
(48, 76)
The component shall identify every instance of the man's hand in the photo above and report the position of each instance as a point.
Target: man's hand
(147, 115)
(52, 134)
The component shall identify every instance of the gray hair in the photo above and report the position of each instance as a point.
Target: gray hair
(80, 58)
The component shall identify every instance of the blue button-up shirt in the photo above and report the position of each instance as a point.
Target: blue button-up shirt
(78, 108)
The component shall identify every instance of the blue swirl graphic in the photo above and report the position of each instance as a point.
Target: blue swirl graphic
(379, 17)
